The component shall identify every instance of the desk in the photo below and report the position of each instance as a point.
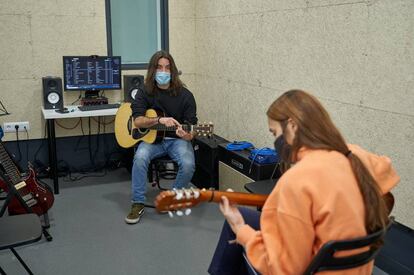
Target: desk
(50, 116)
(263, 187)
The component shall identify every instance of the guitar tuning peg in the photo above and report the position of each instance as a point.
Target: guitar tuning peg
(187, 211)
(171, 214)
(179, 195)
(179, 213)
(187, 194)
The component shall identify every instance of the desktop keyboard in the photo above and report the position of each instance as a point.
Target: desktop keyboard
(99, 107)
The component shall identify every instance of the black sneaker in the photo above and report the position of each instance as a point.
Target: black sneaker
(137, 210)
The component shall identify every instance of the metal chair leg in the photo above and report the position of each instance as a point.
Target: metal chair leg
(2, 271)
(21, 261)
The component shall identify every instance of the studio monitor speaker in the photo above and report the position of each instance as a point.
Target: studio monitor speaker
(52, 92)
(131, 85)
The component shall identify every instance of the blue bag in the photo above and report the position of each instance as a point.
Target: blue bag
(264, 155)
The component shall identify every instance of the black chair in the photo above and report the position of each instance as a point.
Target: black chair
(326, 260)
(17, 231)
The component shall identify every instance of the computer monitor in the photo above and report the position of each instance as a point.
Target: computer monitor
(91, 73)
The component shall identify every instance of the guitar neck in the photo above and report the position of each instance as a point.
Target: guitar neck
(8, 165)
(187, 198)
(234, 197)
(161, 127)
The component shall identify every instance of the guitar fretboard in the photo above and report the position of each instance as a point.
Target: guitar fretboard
(161, 127)
(8, 165)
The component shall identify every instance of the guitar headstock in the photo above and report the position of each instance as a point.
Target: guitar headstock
(182, 199)
(205, 129)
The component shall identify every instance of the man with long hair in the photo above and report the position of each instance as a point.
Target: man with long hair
(334, 191)
(165, 92)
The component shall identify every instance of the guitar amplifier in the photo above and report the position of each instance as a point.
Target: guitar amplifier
(206, 159)
(231, 178)
(239, 161)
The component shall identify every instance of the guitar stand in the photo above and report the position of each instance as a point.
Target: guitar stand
(13, 192)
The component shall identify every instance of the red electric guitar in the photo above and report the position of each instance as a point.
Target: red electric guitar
(37, 196)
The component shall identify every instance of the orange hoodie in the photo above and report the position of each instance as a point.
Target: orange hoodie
(315, 201)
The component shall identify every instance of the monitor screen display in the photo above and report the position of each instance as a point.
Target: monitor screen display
(92, 73)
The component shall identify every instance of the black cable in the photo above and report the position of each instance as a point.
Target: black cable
(27, 144)
(97, 139)
(90, 143)
(18, 144)
(83, 133)
(78, 143)
(76, 178)
(68, 171)
(80, 137)
(42, 142)
(68, 128)
(80, 96)
(85, 172)
(105, 151)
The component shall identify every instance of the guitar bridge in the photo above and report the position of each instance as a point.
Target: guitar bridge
(27, 197)
(31, 202)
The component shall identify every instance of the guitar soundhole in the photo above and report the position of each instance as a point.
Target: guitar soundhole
(129, 124)
(139, 132)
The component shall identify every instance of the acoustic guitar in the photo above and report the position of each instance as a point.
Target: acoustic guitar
(127, 135)
(37, 196)
(187, 198)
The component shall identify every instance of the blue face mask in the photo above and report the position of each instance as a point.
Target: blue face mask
(162, 78)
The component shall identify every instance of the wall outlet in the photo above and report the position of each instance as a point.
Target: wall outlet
(9, 127)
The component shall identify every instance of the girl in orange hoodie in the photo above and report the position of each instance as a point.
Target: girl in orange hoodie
(334, 191)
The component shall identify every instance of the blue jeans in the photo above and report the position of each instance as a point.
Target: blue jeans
(179, 150)
(228, 258)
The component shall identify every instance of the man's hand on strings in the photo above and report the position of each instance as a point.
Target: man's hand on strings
(169, 121)
(183, 134)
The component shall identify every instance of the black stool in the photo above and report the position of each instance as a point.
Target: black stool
(158, 167)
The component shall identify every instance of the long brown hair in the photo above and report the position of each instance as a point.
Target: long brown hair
(316, 131)
(150, 85)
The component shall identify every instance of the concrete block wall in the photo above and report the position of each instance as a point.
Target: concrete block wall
(35, 36)
(237, 56)
(355, 56)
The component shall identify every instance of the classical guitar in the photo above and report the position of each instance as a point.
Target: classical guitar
(127, 135)
(37, 196)
(188, 198)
